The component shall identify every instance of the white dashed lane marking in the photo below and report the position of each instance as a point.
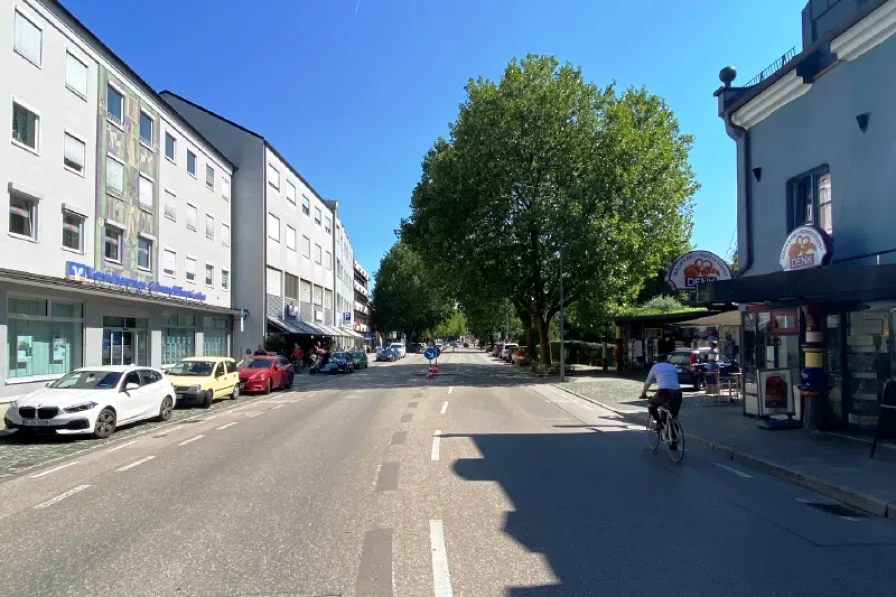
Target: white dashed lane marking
(191, 440)
(61, 497)
(130, 443)
(135, 463)
(53, 470)
(231, 424)
(731, 469)
(444, 408)
(435, 444)
(441, 577)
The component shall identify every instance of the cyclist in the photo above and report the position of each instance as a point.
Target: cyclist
(665, 375)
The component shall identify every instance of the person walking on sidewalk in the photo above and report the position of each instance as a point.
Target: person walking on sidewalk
(665, 375)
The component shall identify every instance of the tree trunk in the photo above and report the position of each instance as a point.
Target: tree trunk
(545, 340)
(526, 319)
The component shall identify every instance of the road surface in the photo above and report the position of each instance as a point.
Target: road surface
(477, 483)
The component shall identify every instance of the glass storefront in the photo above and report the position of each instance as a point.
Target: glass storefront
(215, 332)
(178, 337)
(44, 336)
(771, 341)
(125, 341)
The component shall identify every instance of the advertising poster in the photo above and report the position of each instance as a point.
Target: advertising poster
(775, 392)
(24, 349)
(58, 349)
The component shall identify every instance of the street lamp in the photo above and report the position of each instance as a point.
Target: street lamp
(562, 323)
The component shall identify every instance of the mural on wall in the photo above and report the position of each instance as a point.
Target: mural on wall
(123, 143)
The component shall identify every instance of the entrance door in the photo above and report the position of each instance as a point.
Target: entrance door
(124, 347)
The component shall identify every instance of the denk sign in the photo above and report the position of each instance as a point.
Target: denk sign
(806, 247)
(78, 272)
(695, 268)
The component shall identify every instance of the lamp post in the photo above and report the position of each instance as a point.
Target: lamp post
(562, 323)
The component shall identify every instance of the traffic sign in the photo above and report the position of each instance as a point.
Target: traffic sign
(429, 353)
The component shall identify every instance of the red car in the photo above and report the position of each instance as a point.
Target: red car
(263, 374)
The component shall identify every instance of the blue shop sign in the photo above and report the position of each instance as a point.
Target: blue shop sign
(78, 272)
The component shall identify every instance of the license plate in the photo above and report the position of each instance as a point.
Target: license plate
(35, 423)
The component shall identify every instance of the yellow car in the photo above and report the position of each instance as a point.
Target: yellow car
(199, 380)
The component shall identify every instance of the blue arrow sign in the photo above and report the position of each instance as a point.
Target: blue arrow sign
(430, 353)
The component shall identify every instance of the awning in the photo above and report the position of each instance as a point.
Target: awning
(295, 326)
(728, 318)
(329, 330)
(350, 333)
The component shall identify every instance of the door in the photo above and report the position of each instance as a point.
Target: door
(219, 384)
(232, 375)
(151, 395)
(131, 403)
(124, 347)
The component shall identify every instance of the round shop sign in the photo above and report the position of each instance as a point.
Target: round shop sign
(695, 268)
(806, 247)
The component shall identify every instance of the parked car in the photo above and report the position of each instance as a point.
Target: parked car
(507, 351)
(399, 346)
(466, 345)
(385, 355)
(94, 401)
(692, 365)
(360, 359)
(199, 380)
(343, 362)
(519, 354)
(498, 349)
(263, 374)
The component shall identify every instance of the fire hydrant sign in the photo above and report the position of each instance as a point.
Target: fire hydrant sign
(695, 268)
(806, 247)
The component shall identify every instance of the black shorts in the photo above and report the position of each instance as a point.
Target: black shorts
(671, 398)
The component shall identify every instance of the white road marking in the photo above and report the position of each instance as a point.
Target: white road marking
(131, 443)
(61, 497)
(191, 440)
(586, 406)
(250, 415)
(135, 463)
(210, 418)
(441, 578)
(436, 437)
(444, 408)
(451, 389)
(53, 470)
(231, 424)
(850, 518)
(376, 476)
(4, 475)
(731, 469)
(278, 406)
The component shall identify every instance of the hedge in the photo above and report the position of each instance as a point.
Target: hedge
(584, 353)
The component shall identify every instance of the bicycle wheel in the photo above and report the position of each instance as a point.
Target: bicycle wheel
(653, 436)
(678, 433)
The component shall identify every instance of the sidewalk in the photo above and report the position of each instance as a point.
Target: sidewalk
(833, 465)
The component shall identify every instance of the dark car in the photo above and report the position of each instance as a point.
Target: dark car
(343, 362)
(386, 354)
(692, 365)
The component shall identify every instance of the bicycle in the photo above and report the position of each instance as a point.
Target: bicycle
(671, 431)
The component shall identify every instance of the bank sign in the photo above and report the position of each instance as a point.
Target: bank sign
(806, 247)
(78, 272)
(695, 268)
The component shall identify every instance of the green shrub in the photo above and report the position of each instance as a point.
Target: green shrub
(584, 353)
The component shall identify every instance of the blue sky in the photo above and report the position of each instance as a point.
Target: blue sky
(353, 93)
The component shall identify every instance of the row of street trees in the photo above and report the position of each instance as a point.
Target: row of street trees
(546, 179)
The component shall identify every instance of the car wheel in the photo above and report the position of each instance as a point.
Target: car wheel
(105, 424)
(165, 409)
(207, 399)
(268, 387)
(700, 385)
(236, 392)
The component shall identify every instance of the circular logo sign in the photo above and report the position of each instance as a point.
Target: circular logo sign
(695, 268)
(430, 353)
(806, 247)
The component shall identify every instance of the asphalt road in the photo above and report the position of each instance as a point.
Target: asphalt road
(479, 482)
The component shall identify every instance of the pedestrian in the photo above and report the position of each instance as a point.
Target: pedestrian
(297, 357)
(260, 351)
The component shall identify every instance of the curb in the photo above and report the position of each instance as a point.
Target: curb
(849, 497)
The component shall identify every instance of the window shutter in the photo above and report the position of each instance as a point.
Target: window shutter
(76, 74)
(170, 204)
(74, 150)
(146, 192)
(169, 264)
(191, 267)
(114, 177)
(28, 38)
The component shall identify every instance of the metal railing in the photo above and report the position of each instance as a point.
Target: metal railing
(772, 68)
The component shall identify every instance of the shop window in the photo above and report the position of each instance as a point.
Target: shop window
(809, 200)
(178, 337)
(215, 334)
(44, 337)
(785, 321)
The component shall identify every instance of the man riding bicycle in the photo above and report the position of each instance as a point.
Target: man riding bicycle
(665, 375)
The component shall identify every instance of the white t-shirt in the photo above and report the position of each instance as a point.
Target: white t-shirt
(664, 375)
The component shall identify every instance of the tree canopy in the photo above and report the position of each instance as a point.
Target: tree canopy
(541, 168)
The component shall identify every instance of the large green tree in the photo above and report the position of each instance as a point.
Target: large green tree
(543, 168)
(406, 297)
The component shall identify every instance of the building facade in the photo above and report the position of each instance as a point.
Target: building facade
(817, 255)
(362, 303)
(288, 272)
(117, 247)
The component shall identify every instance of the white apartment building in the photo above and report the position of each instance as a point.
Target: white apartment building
(117, 241)
(287, 271)
(344, 275)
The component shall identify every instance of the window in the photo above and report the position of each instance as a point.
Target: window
(273, 282)
(191, 269)
(327, 225)
(225, 234)
(112, 243)
(225, 188)
(146, 128)
(169, 262)
(170, 147)
(191, 162)
(114, 177)
(290, 238)
(25, 125)
(329, 260)
(74, 152)
(43, 337)
(809, 199)
(144, 253)
(22, 217)
(306, 247)
(27, 38)
(146, 193)
(209, 227)
(73, 231)
(76, 75)
(273, 227)
(317, 216)
(305, 206)
(225, 279)
(291, 192)
(209, 274)
(192, 216)
(290, 286)
(273, 177)
(170, 205)
(178, 337)
(114, 105)
(210, 177)
(317, 254)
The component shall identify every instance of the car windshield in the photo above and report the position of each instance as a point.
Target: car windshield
(357, 355)
(680, 358)
(88, 380)
(339, 356)
(259, 364)
(197, 368)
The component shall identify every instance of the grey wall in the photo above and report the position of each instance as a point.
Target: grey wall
(820, 128)
(246, 151)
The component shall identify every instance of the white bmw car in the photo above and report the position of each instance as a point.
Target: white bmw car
(94, 401)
